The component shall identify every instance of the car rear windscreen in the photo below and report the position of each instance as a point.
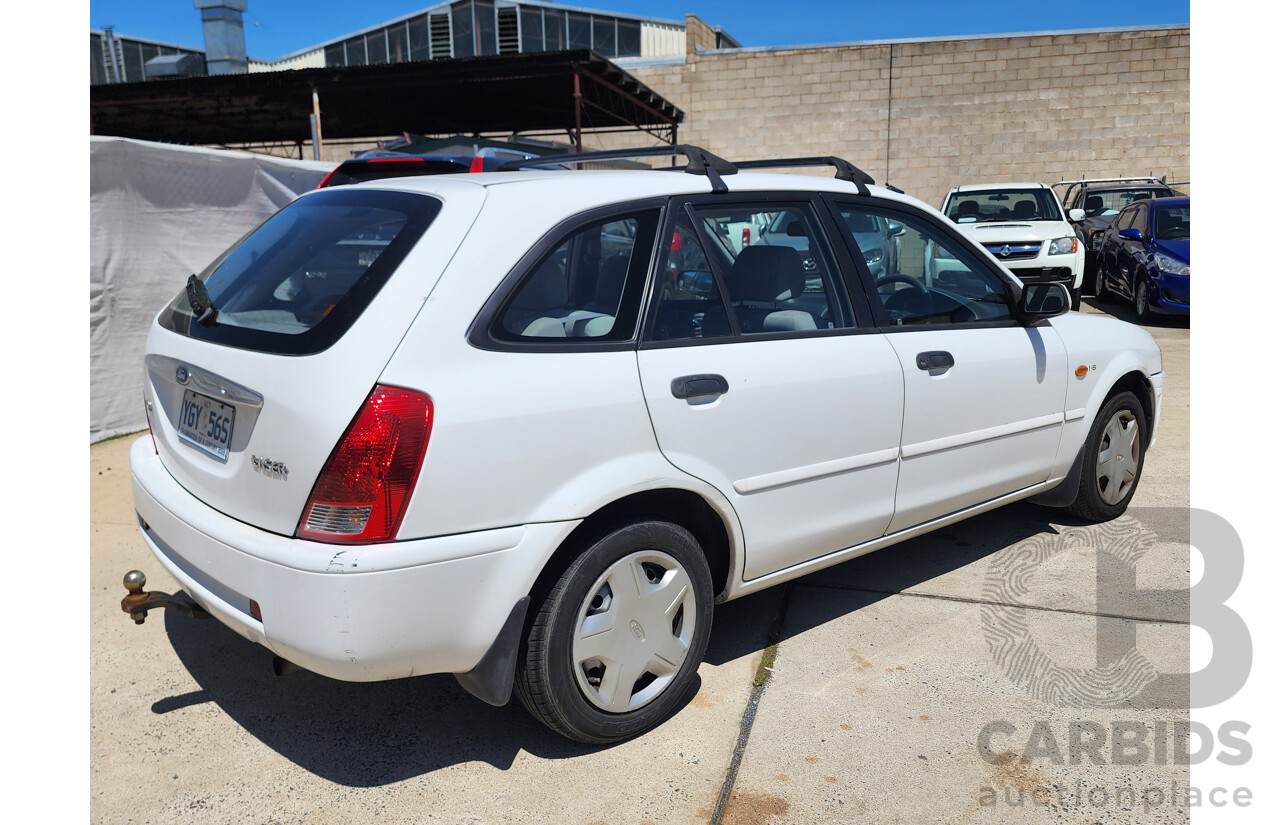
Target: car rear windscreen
(296, 283)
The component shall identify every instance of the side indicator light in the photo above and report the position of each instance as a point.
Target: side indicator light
(1082, 371)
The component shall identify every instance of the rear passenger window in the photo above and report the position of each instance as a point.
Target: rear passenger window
(748, 270)
(587, 287)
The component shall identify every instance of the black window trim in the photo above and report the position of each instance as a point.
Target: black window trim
(480, 333)
(683, 204)
(1013, 287)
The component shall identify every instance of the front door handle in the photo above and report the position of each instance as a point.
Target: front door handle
(935, 360)
(694, 386)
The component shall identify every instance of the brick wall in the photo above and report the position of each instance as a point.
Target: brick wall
(929, 115)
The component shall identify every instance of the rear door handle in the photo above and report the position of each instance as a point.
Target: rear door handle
(693, 386)
(935, 360)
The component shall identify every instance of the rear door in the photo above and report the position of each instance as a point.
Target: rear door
(304, 313)
(984, 396)
(764, 379)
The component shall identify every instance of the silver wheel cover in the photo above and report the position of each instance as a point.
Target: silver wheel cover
(633, 631)
(1118, 455)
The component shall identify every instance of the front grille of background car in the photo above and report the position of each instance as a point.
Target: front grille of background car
(1013, 251)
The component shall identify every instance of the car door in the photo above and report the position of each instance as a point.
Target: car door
(984, 395)
(1131, 253)
(764, 379)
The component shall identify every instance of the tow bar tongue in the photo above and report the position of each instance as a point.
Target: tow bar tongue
(138, 602)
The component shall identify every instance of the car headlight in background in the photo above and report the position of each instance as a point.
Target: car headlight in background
(1172, 266)
(1063, 246)
(873, 256)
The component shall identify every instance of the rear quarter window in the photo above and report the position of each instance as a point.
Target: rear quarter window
(296, 283)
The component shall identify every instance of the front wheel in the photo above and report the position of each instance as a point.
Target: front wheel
(1113, 456)
(617, 642)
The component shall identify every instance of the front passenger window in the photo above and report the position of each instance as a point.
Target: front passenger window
(927, 277)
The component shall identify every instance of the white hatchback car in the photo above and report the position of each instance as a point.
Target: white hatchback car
(459, 424)
(1024, 226)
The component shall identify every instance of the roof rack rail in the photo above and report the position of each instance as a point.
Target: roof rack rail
(844, 169)
(701, 162)
(1072, 184)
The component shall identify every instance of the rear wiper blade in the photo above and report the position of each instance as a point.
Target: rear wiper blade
(201, 305)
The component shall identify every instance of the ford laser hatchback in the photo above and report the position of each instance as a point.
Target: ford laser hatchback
(527, 427)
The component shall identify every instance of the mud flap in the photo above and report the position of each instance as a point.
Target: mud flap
(492, 679)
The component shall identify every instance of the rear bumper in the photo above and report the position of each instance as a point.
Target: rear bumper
(355, 613)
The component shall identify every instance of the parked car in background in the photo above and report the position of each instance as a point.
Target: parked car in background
(1100, 200)
(1023, 225)
(879, 238)
(1145, 257)
(380, 164)
(453, 424)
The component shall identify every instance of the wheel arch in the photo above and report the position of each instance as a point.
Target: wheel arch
(679, 506)
(1136, 382)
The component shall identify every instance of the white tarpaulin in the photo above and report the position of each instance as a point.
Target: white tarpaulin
(158, 214)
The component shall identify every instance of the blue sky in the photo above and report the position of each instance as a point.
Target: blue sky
(274, 28)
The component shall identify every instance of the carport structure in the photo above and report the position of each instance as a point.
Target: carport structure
(566, 92)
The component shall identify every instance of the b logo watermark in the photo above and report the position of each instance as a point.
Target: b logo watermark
(1122, 676)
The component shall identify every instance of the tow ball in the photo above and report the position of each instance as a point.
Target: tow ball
(138, 602)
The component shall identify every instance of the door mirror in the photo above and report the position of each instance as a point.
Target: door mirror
(895, 228)
(1040, 302)
(1075, 215)
(697, 281)
(1131, 233)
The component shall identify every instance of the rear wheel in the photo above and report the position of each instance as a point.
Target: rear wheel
(1113, 459)
(617, 642)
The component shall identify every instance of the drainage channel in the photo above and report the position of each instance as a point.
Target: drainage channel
(753, 703)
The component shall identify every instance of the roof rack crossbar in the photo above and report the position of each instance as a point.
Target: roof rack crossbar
(844, 169)
(701, 162)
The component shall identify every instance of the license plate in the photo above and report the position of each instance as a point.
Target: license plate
(206, 424)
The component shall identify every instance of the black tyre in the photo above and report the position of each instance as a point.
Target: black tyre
(1100, 291)
(1141, 300)
(1113, 457)
(617, 642)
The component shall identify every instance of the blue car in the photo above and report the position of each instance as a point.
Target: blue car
(1145, 257)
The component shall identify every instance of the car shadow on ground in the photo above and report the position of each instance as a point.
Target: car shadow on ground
(377, 733)
(1123, 309)
(359, 734)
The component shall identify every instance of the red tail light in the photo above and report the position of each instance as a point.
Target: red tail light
(325, 180)
(362, 491)
(676, 243)
(746, 236)
(477, 165)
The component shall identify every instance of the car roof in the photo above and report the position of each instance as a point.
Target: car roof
(988, 187)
